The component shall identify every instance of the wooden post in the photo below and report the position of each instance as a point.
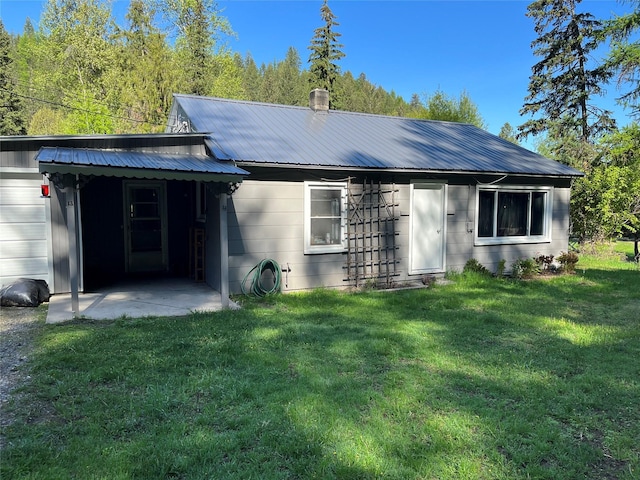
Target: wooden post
(224, 252)
(74, 260)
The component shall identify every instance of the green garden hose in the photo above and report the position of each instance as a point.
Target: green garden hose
(257, 288)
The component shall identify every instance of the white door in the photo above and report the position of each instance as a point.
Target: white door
(427, 228)
(145, 226)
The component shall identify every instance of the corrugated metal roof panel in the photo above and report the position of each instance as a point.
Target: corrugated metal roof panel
(287, 135)
(136, 160)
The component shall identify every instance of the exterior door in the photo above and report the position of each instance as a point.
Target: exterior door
(427, 228)
(145, 228)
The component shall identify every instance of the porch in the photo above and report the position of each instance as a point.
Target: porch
(163, 297)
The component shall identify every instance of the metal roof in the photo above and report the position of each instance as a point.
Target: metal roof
(262, 133)
(136, 164)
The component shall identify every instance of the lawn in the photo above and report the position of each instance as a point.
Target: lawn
(483, 378)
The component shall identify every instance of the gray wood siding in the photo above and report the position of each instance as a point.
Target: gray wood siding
(266, 221)
(460, 241)
(24, 250)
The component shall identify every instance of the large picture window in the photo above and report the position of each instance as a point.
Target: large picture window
(513, 215)
(324, 217)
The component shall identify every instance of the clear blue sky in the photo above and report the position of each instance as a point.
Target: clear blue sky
(414, 46)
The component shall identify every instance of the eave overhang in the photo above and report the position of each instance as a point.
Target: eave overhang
(137, 164)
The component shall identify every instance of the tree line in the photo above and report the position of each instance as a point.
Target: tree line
(82, 72)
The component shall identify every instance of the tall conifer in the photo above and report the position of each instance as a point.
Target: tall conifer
(325, 52)
(564, 81)
(11, 119)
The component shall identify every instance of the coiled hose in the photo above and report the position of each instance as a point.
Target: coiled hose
(257, 287)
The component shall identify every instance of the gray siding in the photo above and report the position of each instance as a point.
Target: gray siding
(266, 221)
(24, 241)
(461, 226)
(59, 242)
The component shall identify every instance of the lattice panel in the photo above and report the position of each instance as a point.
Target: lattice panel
(371, 233)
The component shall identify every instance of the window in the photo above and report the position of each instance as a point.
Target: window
(324, 217)
(513, 215)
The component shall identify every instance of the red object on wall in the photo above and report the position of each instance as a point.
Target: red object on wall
(44, 189)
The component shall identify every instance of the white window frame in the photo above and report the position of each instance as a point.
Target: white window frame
(507, 240)
(319, 249)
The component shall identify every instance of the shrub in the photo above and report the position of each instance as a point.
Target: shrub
(568, 261)
(501, 267)
(544, 262)
(474, 265)
(525, 268)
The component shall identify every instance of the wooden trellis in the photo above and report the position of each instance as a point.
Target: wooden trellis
(371, 233)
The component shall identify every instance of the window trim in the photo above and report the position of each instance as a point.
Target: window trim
(509, 240)
(320, 249)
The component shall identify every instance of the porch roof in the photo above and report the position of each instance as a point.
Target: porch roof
(137, 164)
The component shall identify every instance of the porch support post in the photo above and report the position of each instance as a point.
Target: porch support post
(70, 198)
(224, 251)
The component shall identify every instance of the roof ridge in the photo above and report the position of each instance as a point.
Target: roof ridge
(302, 107)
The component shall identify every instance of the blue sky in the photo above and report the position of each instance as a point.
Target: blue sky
(413, 46)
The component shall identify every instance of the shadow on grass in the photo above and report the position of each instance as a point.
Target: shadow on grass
(480, 379)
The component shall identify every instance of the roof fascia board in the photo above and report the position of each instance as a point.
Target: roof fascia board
(138, 173)
(400, 170)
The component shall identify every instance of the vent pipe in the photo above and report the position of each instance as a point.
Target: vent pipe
(319, 100)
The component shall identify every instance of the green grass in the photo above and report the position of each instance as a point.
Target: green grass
(480, 379)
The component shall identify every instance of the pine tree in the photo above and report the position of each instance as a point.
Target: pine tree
(325, 52)
(148, 77)
(562, 83)
(11, 119)
(508, 133)
(624, 56)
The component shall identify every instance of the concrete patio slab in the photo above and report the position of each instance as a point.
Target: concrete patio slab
(148, 298)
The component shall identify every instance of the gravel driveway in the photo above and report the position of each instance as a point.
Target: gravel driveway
(18, 326)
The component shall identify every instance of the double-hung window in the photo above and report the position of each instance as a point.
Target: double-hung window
(513, 214)
(324, 217)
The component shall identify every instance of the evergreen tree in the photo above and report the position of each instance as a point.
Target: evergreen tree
(508, 133)
(624, 56)
(292, 91)
(198, 25)
(325, 52)
(562, 83)
(443, 107)
(148, 74)
(11, 111)
(251, 79)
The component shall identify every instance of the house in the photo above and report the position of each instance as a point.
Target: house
(341, 198)
(336, 198)
(82, 212)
